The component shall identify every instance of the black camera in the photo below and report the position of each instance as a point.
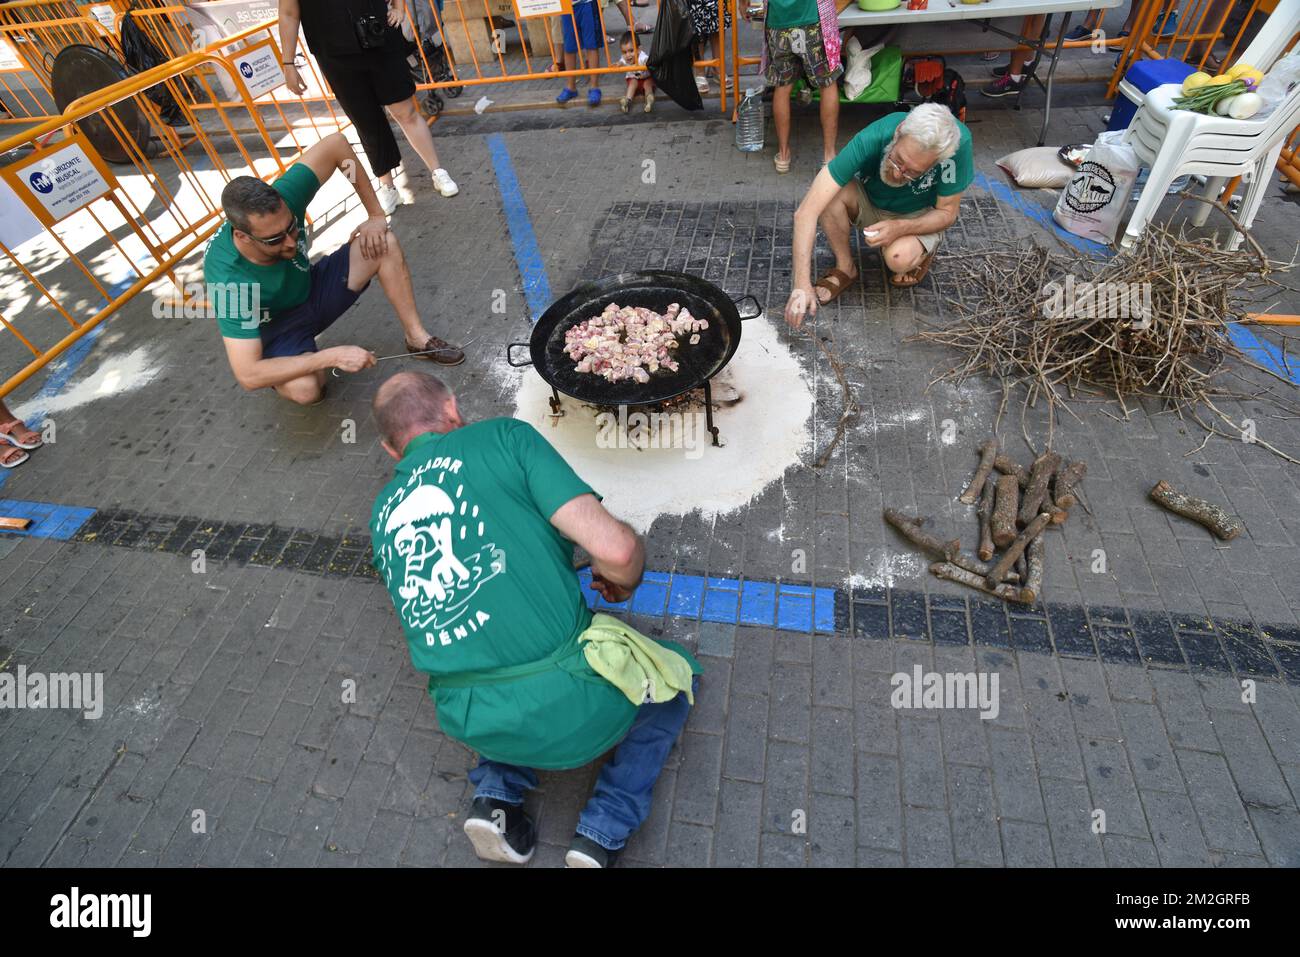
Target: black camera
(371, 29)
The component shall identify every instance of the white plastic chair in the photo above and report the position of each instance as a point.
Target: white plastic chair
(1176, 142)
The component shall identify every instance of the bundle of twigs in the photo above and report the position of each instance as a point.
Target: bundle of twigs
(1154, 321)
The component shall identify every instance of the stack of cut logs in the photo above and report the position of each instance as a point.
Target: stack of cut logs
(1015, 506)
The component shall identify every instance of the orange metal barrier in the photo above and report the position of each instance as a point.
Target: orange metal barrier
(116, 196)
(473, 51)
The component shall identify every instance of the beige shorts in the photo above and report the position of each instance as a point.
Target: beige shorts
(869, 214)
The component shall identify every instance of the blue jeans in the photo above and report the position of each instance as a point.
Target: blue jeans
(620, 802)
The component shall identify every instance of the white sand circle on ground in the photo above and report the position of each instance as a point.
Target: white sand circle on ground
(763, 434)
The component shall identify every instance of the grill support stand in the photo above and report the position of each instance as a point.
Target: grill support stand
(708, 413)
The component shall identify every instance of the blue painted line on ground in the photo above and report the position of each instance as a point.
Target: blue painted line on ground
(733, 601)
(1040, 214)
(48, 521)
(528, 256)
(1265, 353)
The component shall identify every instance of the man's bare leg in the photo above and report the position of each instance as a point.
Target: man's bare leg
(830, 117)
(781, 116)
(903, 255)
(395, 278)
(836, 222)
(304, 390)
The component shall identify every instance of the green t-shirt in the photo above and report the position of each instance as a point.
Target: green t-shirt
(280, 286)
(482, 580)
(864, 153)
(791, 13)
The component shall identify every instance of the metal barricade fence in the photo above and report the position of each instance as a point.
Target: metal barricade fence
(116, 192)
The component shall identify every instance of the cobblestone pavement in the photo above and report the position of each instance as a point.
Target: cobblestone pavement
(1122, 694)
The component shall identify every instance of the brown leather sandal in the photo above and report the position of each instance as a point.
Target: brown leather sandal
(841, 280)
(913, 276)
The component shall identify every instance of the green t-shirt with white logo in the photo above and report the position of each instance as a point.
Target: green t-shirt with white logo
(862, 155)
(481, 580)
(280, 286)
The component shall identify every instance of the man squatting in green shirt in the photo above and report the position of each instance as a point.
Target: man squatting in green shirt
(271, 302)
(900, 181)
(473, 538)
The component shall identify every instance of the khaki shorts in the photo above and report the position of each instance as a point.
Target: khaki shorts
(869, 214)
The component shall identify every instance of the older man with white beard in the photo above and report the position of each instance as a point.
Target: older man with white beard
(900, 181)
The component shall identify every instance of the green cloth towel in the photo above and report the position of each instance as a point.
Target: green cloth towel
(645, 670)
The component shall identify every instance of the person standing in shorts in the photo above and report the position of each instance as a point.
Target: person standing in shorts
(795, 48)
(583, 41)
(359, 47)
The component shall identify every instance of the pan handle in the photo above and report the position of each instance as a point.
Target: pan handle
(757, 305)
(510, 356)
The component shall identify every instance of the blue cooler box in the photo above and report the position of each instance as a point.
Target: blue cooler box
(1145, 75)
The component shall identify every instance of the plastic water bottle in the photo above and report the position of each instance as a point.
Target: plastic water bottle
(750, 121)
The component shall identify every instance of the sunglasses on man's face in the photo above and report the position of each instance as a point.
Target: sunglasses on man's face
(278, 238)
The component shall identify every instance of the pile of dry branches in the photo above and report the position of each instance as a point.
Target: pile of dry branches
(1015, 506)
(1155, 321)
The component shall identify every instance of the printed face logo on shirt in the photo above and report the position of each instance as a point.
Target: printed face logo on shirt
(436, 551)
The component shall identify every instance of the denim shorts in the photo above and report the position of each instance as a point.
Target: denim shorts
(295, 330)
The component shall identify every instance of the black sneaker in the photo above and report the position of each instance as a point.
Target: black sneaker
(584, 852)
(500, 831)
(1003, 86)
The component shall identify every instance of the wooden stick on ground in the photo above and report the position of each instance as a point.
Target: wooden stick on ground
(988, 452)
(985, 550)
(1005, 504)
(910, 528)
(1015, 549)
(1008, 466)
(1198, 510)
(1033, 581)
(954, 574)
(1036, 490)
(1067, 477)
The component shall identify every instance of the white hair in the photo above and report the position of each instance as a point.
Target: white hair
(933, 128)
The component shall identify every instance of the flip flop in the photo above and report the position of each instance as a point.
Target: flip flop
(782, 166)
(913, 276)
(8, 460)
(7, 430)
(841, 280)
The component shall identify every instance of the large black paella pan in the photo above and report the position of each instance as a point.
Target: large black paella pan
(652, 289)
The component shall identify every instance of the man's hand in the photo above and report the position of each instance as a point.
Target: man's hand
(293, 80)
(396, 13)
(348, 358)
(374, 237)
(609, 591)
(884, 232)
(803, 300)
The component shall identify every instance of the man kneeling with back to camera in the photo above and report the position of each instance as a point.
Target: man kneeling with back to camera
(474, 540)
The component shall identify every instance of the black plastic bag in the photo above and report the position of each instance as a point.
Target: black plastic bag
(672, 55)
(142, 54)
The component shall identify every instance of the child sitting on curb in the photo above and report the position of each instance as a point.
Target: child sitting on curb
(638, 81)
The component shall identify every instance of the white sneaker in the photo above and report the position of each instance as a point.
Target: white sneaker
(446, 185)
(389, 199)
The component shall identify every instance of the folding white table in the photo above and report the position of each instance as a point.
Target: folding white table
(940, 10)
